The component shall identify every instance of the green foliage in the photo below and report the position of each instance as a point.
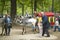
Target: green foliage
(57, 5)
(45, 5)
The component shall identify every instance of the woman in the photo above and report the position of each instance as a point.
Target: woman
(40, 26)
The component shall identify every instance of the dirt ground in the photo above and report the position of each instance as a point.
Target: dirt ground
(29, 31)
(57, 33)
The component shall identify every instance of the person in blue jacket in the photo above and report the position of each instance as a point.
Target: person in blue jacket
(45, 24)
(8, 25)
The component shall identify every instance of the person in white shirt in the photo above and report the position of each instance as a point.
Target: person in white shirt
(56, 25)
(33, 21)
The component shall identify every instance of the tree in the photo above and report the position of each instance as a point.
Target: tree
(13, 8)
(56, 5)
(3, 4)
(52, 5)
(32, 6)
(35, 5)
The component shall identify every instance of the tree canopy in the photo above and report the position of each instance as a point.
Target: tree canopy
(28, 5)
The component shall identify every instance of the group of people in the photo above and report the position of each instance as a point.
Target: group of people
(42, 25)
(6, 25)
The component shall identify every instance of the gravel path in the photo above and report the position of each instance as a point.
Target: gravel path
(16, 35)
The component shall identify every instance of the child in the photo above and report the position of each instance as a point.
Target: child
(56, 25)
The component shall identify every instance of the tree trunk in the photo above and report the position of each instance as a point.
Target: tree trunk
(35, 5)
(13, 9)
(22, 10)
(52, 5)
(32, 6)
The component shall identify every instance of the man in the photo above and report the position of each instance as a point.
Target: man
(46, 25)
(7, 22)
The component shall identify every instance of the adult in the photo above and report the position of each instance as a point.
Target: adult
(40, 26)
(45, 24)
(8, 25)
